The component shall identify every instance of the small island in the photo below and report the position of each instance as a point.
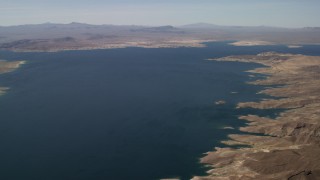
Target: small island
(251, 43)
(294, 46)
(220, 102)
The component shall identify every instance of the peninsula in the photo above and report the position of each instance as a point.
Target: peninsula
(8, 66)
(289, 145)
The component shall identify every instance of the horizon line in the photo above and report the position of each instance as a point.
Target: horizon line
(145, 25)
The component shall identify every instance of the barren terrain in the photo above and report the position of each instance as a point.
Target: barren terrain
(290, 145)
(78, 36)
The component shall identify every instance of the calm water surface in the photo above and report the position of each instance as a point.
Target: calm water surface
(129, 113)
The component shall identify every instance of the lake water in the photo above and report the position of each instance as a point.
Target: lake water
(128, 113)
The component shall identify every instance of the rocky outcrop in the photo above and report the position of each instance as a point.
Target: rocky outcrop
(290, 146)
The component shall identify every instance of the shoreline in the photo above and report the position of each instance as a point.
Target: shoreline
(290, 146)
(252, 43)
(6, 67)
(193, 43)
(285, 137)
(187, 43)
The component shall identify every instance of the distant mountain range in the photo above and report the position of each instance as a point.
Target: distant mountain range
(194, 25)
(199, 25)
(52, 36)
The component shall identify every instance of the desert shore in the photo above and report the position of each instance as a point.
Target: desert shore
(251, 43)
(8, 66)
(290, 145)
(47, 46)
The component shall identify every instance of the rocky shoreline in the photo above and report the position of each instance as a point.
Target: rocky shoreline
(290, 146)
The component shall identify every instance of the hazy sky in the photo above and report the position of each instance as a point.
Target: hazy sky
(287, 13)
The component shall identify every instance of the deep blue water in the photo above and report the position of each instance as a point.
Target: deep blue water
(128, 113)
